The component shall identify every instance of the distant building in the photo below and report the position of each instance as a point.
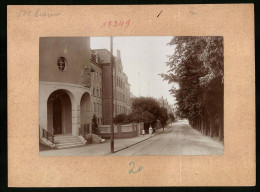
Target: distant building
(164, 103)
(132, 96)
(121, 87)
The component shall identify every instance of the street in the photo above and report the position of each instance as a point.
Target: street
(178, 139)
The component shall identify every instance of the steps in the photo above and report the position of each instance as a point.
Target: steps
(66, 141)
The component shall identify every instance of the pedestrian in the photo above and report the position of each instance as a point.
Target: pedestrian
(150, 130)
(143, 132)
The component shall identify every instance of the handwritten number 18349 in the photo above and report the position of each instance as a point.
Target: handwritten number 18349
(133, 169)
(115, 23)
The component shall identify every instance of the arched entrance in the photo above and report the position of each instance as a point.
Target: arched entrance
(59, 113)
(85, 112)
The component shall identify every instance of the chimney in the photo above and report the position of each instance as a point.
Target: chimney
(118, 55)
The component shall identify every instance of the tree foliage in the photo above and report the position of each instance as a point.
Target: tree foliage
(147, 110)
(171, 117)
(163, 117)
(196, 71)
(95, 125)
(122, 119)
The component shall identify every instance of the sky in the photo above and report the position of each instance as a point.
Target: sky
(145, 55)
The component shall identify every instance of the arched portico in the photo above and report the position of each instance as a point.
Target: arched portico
(76, 95)
(59, 113)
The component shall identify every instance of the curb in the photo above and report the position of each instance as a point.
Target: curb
(137, 142)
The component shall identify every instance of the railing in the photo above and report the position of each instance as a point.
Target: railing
(83, 130)
(48, 135)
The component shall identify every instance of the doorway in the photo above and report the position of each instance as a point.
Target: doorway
(59, 113)
(57, 117)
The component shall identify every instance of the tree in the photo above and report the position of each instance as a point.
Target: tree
(196, 71)
(163, 116)
(171, 117)
(145, 109)
(122, 119)
(95, 125)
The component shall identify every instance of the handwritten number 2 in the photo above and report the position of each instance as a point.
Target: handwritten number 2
(133, 166)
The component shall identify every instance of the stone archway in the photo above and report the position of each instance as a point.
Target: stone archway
(59, 113)
(85, 112)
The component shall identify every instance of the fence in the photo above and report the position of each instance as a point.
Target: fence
(121, 131)
(84, 130)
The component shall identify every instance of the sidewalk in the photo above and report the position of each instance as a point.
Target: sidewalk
(121, 144)
(101, 148)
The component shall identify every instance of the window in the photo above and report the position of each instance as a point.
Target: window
(62, 63)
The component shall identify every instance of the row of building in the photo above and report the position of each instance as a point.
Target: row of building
(75, 84)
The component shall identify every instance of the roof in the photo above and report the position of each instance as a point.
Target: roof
(104, 55)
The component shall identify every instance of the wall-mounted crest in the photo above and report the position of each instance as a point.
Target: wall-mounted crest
(86, 77)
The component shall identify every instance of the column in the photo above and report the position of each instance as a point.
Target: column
(75, 118)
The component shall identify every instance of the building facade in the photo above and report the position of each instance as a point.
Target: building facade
(96, 77)
(121, 87)
(75, 85)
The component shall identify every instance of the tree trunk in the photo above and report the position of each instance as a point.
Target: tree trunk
(221, 129)
(211, 126)
(199, 124)
(202, 127)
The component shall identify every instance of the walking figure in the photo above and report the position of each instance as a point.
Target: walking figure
(150, 130)
(143, 132)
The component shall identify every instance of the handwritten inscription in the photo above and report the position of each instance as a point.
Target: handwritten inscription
(192, 12)
(37, 13)
(159, 14)
(115, 23)
(133, 169)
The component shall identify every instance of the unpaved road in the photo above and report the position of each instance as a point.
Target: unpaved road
(178, 139)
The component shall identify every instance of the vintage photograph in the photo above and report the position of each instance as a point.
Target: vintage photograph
(131, 96)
